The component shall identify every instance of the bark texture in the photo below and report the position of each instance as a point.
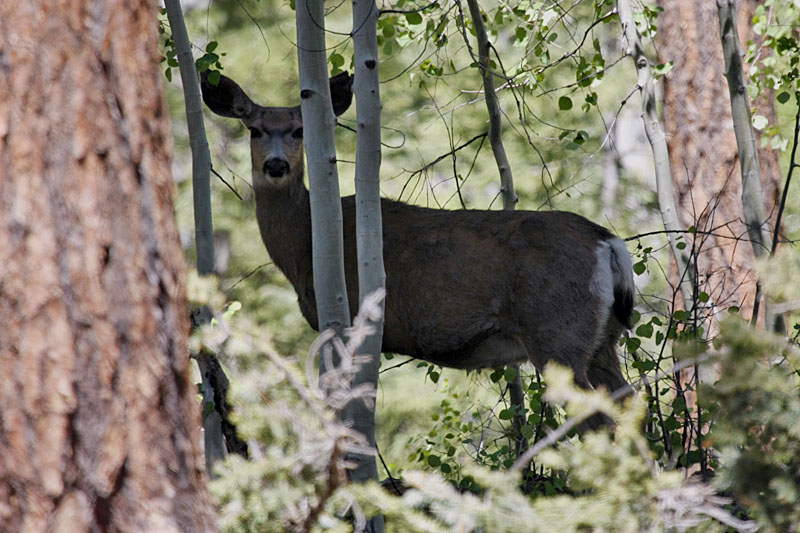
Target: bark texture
(703, 151)
(98, 419)
(369, 224)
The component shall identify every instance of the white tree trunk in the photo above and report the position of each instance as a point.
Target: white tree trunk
(326, 207)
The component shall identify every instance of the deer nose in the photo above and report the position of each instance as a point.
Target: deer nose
(276, 167)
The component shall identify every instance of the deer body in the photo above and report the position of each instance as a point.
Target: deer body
(465, 289)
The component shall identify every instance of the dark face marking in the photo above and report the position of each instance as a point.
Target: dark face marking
(276, 145)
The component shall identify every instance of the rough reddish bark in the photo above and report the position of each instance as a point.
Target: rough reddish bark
(99, 424)
(703, 151)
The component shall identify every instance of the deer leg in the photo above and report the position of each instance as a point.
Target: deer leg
(604, 366)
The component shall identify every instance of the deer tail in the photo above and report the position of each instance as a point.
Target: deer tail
(622, 273)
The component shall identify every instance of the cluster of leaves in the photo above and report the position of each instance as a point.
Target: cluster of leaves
(774, 61)
(209, 60)
(755, 407)
(610, 483)
(775, 23)
(595, 481)
(466, 429)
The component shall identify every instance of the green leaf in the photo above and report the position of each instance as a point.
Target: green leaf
(211, 46)
(168, 74)
(632, 344)
(413, 18)
(527, 431)
(434, 461)
(506, 414)
(678, 405)
(645, 330)
(336, 60)
(682, 315)
(644, 366)
(434, 376)
(639, 268)
(664, 68)
(213, 77)
(783, 97)
(671, 423)
(703, 297)
(510, 373)
(564, 103)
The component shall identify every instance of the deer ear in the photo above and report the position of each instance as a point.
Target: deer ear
(341, 92)
(225, 98)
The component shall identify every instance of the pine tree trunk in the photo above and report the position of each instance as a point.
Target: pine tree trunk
(703, 150)
(705, 164)
(98, 419)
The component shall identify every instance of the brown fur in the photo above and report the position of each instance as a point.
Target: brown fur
(465, 289)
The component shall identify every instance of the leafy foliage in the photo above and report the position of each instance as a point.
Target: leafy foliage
(294, 480)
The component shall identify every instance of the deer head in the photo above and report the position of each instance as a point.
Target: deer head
(276, 133)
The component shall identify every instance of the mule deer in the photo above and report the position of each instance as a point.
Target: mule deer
(465, 289)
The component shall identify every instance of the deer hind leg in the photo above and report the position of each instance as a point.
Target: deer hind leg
(604, 366)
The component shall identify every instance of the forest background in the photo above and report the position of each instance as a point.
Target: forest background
(99, 423)
(574, 134)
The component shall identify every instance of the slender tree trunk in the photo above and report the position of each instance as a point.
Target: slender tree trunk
(198, 142)
(98, 419)
(326, 207)
(658, 143)
(516, 392)
(210, 370)
(369, 232)
(752, 195)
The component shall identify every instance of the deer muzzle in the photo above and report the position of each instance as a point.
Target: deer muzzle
(276, 167)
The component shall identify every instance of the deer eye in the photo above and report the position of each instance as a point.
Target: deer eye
(255, 132)
(298, 133)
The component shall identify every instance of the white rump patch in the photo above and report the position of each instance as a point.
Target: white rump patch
(622, 266)
(602, 286)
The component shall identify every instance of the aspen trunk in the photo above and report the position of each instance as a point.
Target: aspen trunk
(323, 177)
(369, 232)
(99, 424)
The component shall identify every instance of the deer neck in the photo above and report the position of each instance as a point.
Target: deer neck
(284, 218)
